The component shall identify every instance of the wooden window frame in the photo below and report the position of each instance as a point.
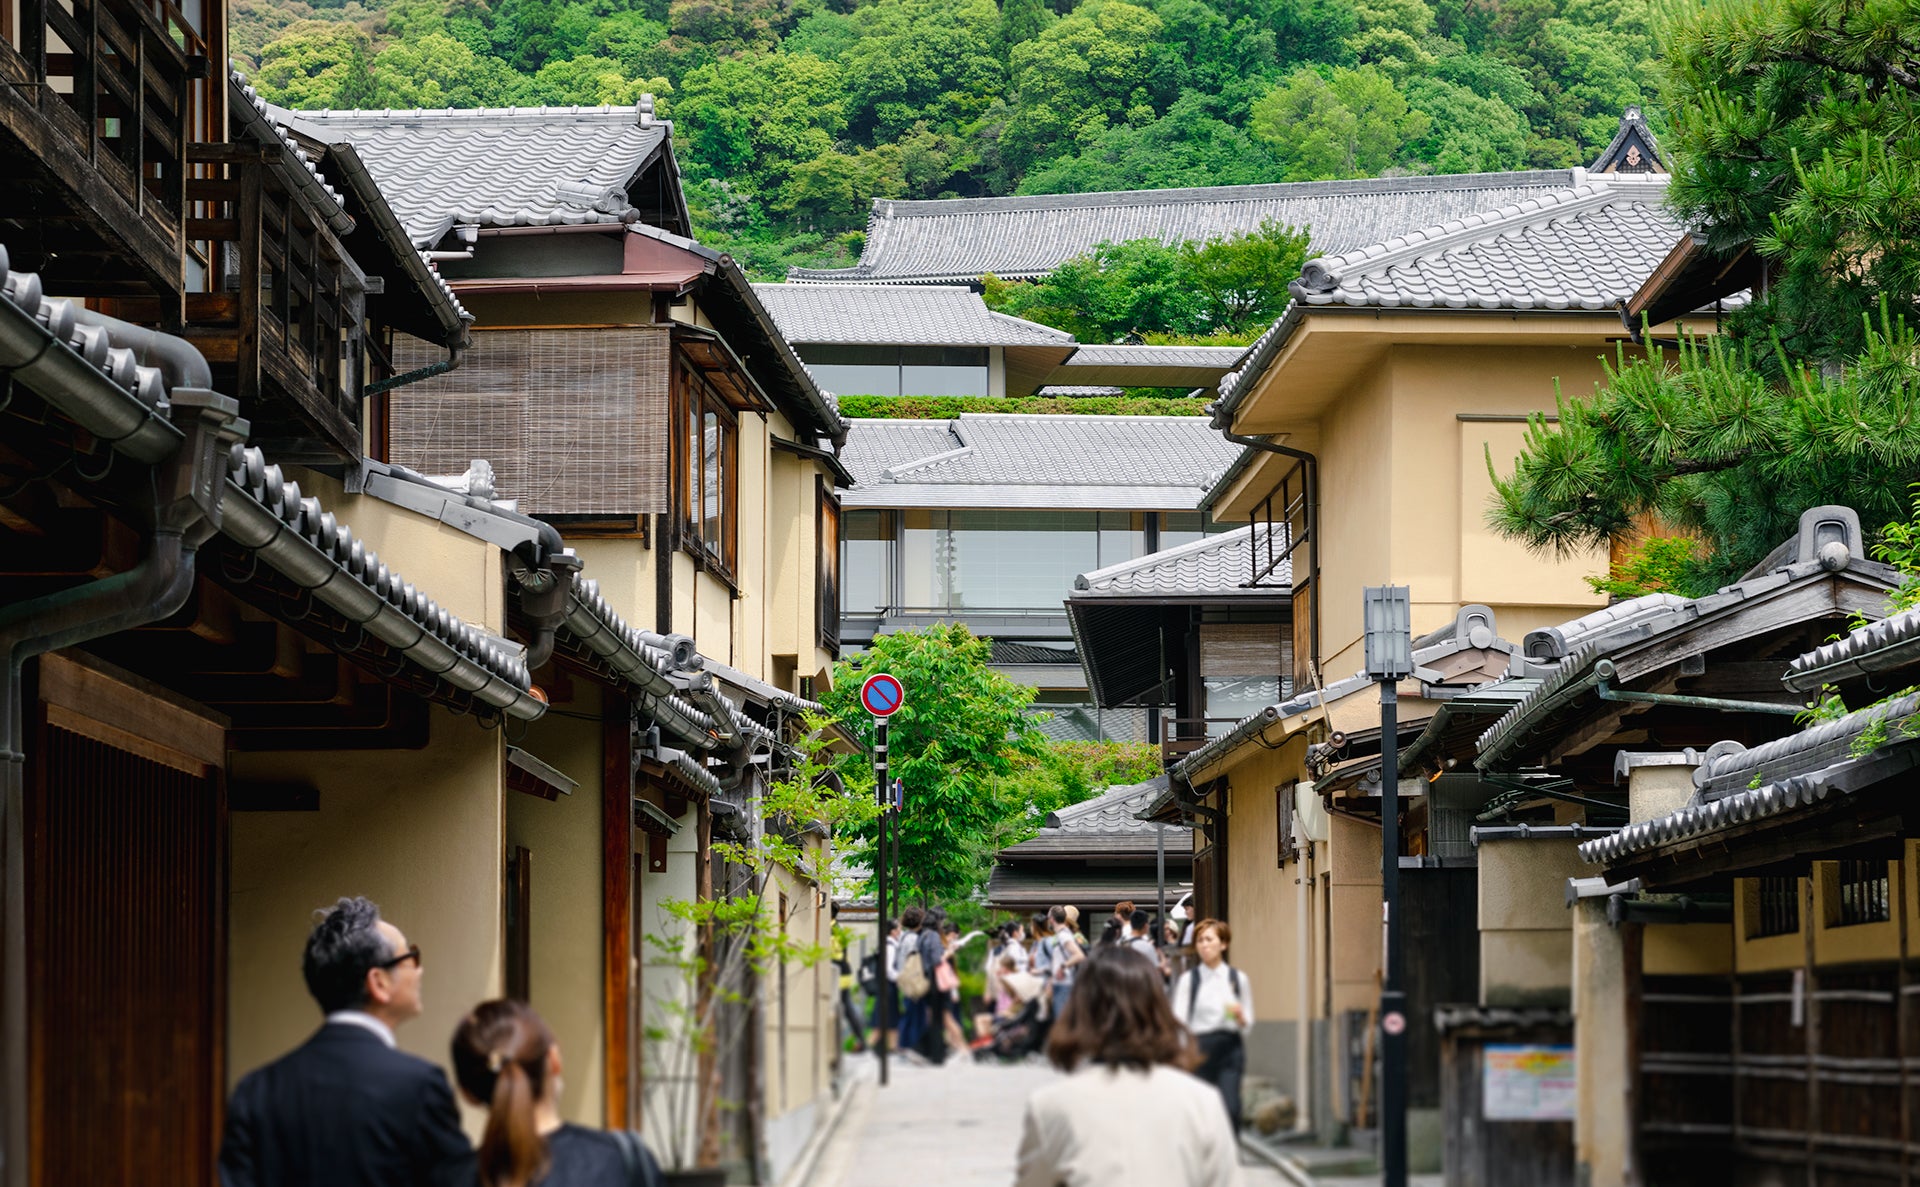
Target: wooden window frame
(694, 396)
(826, 572)
(1283, 810)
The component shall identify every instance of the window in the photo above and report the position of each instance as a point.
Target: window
(827, 565)
(1283, 812)
(1858, 892)
(1772, 907)
(1008, 561)
(706, 481)
(866, 562)
(901, 370)
(1184, 527)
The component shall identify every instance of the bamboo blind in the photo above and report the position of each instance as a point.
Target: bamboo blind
(574, 422)
(1245, 649)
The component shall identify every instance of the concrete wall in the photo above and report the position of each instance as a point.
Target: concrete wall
(1526, 938)
(567, 955)
(417, 831)
(1603, 1063)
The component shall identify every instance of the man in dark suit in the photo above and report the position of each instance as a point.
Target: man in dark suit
(346, 1109)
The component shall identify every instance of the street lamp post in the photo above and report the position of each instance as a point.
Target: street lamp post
(1388, 620)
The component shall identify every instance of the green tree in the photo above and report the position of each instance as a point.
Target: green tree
(1350, 123)
(1797, 131)
(921, 61)
(1466, 132)
(753, 119)
(317, 64)
(956, 743)
(1795, 136)
(1242, 279)
(587, 81)
(1392, 34)
(1187, 146)
(435, 70)
(1077, 78)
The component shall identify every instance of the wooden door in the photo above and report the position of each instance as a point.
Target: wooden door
(126, 903)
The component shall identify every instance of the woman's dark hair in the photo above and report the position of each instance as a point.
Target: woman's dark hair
(936, 916)
(1110, 934)
(1118, 1015)
(500, 1058)
(912, 917)
(947, 928)
(341, 948)
(1040, 924)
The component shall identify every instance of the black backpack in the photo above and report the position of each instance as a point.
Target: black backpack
(870, 974)
(1193, 987)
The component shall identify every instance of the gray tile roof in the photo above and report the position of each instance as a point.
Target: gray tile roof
(1142, 355)
(302, 174)
(1112, 811)
(1589, 247)
(1797, 771)
(985, 460)
(1214, 566)
(496, 167)
(962, 239)
(1070, 391)
(897, 314)
(1877, 647)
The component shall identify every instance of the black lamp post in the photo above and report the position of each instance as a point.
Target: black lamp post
(1388, 623)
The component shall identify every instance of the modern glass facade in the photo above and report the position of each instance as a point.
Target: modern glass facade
(901, 370)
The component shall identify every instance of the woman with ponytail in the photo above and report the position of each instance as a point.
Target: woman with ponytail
(508, 1063)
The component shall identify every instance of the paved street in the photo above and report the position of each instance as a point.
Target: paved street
(965, 1115)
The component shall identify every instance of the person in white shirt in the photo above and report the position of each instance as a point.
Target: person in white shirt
(1215, 1002)
(1125, 1056)
(1140, 939)
(1017, 947)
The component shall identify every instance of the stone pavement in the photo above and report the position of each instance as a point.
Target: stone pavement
(965, 1117)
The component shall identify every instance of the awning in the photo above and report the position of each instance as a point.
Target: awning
(1010, 888)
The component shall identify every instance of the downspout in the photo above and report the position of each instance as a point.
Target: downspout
(185, 511)
(417, 374)
(1603, 672)
(1312, 464)
(178, 360)
(1303, 972)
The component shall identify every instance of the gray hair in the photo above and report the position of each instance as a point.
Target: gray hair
(345, 943)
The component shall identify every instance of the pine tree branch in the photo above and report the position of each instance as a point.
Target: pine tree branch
(1682, 467)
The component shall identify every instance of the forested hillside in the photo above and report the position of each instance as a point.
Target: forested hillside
(791, 114)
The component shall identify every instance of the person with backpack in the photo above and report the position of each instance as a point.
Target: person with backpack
(932, 954)
(1064, 954)
(1214, 1001)
(507, 1062)
(911, 979)
(874, 986)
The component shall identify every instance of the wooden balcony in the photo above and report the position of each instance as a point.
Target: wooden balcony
(284, 322)
(99, 100)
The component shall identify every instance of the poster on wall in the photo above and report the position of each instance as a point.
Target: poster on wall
(1527, 1082)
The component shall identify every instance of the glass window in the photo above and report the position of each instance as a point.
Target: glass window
(943, 371)
(866, 562)
(704, 479)
(1184, 527)
(1123, 536)
(873, 379)
(1017, 560)
(826, 562)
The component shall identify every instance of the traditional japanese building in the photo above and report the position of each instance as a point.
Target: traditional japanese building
(1095, 854)
(988, 519)
(626, 385)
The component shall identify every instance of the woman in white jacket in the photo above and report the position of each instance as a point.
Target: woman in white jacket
(1126, 1056)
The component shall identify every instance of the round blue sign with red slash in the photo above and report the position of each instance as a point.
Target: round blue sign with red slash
(882, 695)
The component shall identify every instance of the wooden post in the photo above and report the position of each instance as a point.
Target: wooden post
(616, 871)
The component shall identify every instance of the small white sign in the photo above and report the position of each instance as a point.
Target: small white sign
(1527, 1082)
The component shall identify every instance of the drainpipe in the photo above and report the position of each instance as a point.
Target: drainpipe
(1603, 672)
(178, 360)
(543, 596)
(184, 511)
(1313, 529)
(416, 375)
(1303, 971)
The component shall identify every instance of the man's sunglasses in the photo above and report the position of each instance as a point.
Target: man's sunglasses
(412, 953)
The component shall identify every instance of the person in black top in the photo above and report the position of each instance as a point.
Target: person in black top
(346, 1109)
(508, 1063)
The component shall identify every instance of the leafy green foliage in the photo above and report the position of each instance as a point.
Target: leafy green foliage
(958, 743)
(1797, 136)
(1145, 286)
(1661, 564)
(793, 115)
(712, 953)
(1899, 546)
(948, 407)
(1712, 445)
(1798, 132)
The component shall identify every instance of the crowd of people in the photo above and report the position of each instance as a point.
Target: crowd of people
(1138, 1035)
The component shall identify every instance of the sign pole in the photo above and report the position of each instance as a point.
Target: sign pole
(881, 695)
(885, 1014)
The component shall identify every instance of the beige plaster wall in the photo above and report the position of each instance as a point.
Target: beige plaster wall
(789, 550)
(1356, 509)
(752, 572)
(798, 1057)
(1262, 894)
(1686, 949)
(1353, 857)
(1753, 953)
(417, 831)
(563, 838)
(624, 570)
(459, 572)
(1526, 943)
(1603, 1121)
